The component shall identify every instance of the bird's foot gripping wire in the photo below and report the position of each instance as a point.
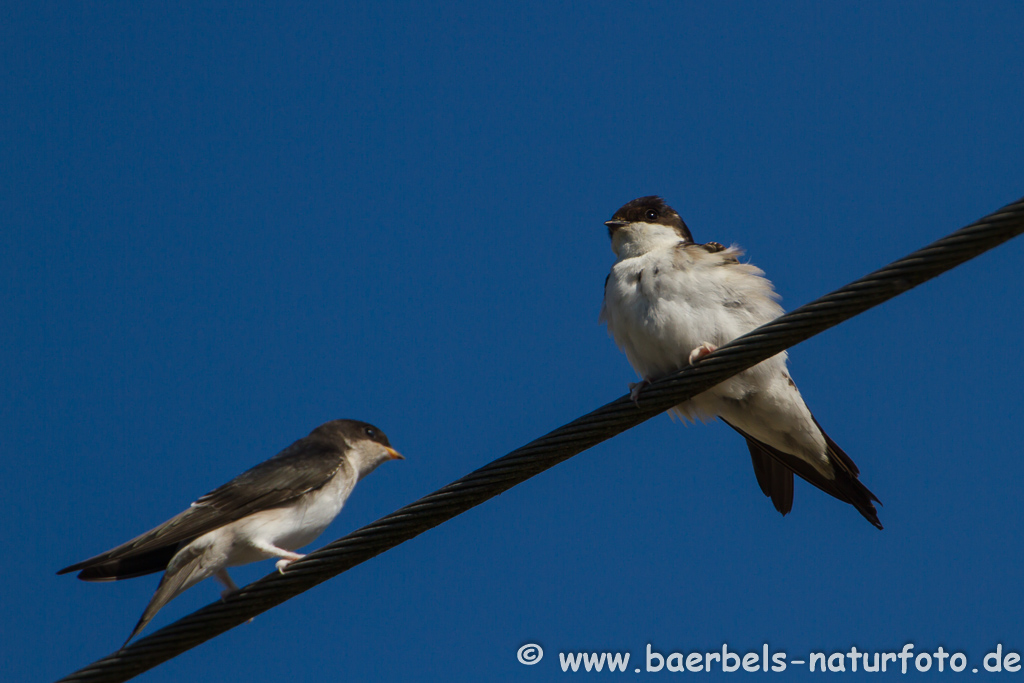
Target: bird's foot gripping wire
(635, 388)
(701, 351)
(281, 564)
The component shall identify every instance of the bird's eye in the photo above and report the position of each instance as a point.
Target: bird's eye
(651, 214)
(370, 432)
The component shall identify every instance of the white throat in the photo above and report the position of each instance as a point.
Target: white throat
(366, 456)
(637, 239)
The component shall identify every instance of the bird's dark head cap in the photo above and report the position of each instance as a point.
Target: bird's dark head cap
(652, 210)
(352, 431)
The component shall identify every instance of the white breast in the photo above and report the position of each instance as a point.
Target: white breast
(662, 304)
(286, 527)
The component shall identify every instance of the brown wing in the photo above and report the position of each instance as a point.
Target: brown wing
(304, 466)
(771, 466)
(774, 478)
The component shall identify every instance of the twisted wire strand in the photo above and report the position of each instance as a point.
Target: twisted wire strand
(557, 446)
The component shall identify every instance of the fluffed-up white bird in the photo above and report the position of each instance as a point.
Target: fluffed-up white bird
(268, 511)
(669, 302)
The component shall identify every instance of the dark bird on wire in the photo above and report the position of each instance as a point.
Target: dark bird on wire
(268, 511)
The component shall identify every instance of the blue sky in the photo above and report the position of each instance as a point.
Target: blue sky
(225, 225)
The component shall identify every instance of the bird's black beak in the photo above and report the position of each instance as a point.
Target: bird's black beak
(614, 225)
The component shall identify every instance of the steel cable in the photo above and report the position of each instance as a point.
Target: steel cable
(557, 446)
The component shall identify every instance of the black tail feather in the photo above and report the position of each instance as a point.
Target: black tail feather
(125, 567)
(771, 465)
(775, 479)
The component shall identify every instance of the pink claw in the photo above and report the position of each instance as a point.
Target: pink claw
(701, 351)
(635, 388)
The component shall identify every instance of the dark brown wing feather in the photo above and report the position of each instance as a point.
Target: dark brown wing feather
(774, 483)
(774, 478)
(126, 567)
(304, 466)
